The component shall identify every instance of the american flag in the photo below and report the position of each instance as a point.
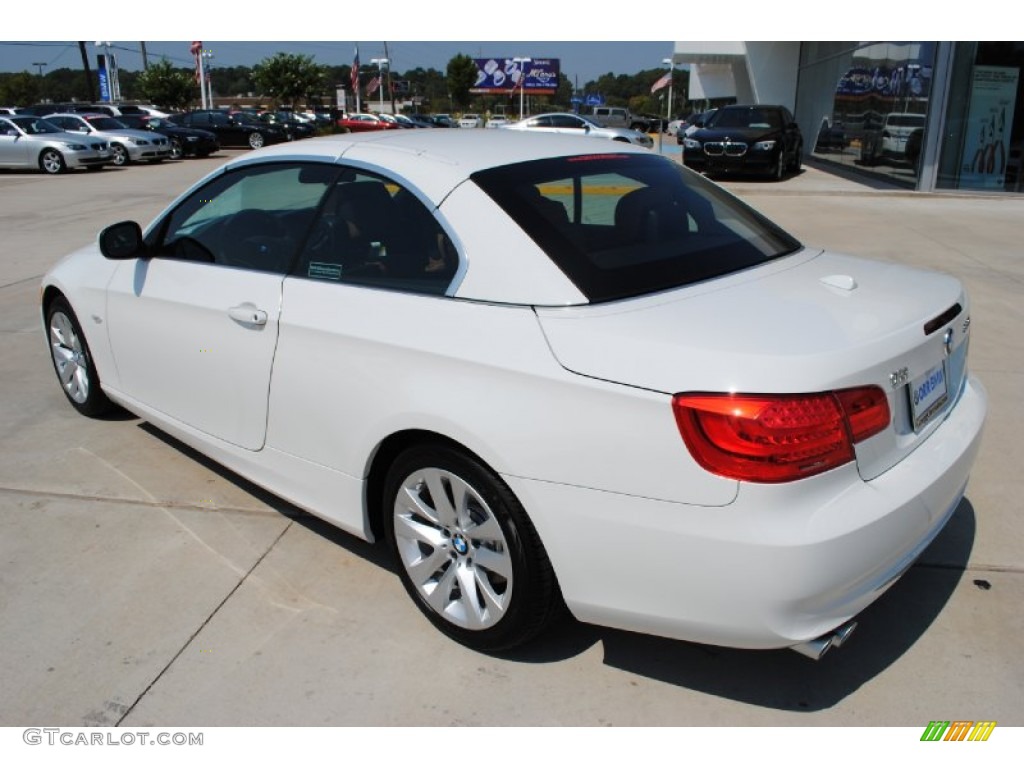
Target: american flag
(355, 72)
(662, 82)
(371, 87)
(196, 49)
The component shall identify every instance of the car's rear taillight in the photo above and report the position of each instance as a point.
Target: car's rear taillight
(778, 438)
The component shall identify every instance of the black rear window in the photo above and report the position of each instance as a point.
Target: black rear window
(622, 225)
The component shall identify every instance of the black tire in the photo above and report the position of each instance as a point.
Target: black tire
(794, 167)
(477, 535)
(177, 152)
(120, 155)
(72, 360)
(256, 140)
(778, 171)
(51, 161)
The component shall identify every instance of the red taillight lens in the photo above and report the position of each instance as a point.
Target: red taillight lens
(866, 409)
(778, 438)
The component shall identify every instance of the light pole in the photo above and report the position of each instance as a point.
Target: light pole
(206, 87)
(40, 65)
(381, 63)
(671, 68)
(520, 60)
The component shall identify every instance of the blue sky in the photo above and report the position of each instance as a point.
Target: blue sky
(585, 60)
(589, 39)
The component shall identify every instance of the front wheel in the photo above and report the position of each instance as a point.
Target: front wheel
(177, 152)
(72, 360)
(794, 167)
(468, 554)
(779, 169)
(120, 155)
(51, 161)
(255, 139)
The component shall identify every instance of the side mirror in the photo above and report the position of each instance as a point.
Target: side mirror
(122, 241)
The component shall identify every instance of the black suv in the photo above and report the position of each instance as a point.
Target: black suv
(741, 139)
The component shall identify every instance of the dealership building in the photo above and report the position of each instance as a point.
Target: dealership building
(929, 115)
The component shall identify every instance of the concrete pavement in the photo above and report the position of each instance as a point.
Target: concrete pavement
(142, 585)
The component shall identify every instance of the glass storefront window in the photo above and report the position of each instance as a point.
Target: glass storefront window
(983, 138)
(874, 115)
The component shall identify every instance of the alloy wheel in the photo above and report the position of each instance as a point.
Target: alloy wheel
(69, 358)
(452, 548)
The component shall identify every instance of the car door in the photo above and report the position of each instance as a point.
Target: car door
(194, 328)
(14, 147)
(369, 282)
(567, 124)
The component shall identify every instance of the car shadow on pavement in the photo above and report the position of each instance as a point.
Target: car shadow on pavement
(779, 679)
(266, 497)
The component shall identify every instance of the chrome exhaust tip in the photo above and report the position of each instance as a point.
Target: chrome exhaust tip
(819, 646)
(842, 634)
(814, 649)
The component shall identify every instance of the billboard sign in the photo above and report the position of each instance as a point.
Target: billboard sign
(506, 75)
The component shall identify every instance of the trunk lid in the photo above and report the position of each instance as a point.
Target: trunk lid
(811, 322)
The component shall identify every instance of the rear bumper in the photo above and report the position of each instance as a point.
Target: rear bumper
(783, 564)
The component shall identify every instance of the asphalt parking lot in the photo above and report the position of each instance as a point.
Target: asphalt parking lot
(142, 585)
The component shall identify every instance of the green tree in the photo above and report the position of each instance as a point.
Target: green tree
(461, 77)
(289, 78)
(232, 81)
(20, 89)
(169, 87)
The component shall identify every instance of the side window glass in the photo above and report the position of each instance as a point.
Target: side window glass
(371, 231)
(255, 218)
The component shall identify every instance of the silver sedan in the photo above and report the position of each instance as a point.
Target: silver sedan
(126, 144)
(566, 122)
(27, 141)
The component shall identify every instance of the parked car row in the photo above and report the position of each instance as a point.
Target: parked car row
(59, 137)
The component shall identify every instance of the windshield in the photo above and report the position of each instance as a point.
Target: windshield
(621, 225)
(34, 125)
(745, 117)
(106, 124)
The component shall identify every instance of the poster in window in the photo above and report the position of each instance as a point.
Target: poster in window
(993, 101)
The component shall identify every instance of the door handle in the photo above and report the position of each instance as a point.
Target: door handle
(249, 314)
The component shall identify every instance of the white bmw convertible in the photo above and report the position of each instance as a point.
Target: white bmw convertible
(544, 371)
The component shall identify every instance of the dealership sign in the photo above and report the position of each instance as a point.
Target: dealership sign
(505, 76)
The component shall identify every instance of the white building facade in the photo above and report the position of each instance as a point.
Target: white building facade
(928, 115)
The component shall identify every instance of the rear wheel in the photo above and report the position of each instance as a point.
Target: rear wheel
(52, 161)
(255, 139)
(72, 360)
(467, 553)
